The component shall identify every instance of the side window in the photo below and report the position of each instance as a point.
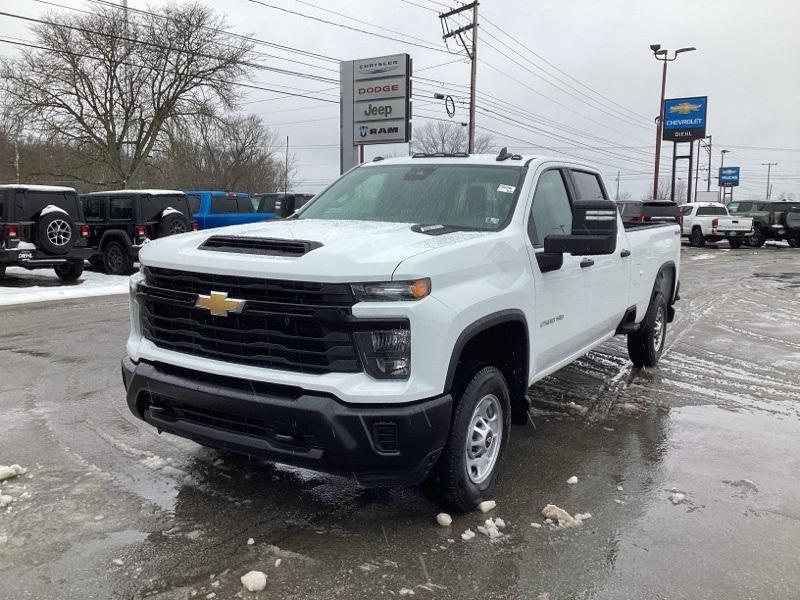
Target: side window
(94, 208)
(551, 212)
(120, 209)
(686, 210)
(223, 204)
(244, 204)
(587, 186)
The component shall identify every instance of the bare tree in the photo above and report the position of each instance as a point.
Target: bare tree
(106, 85)
(441, 136)
(229, 152)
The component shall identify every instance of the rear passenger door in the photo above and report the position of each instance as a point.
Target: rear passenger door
(606, 277)
(223, 211)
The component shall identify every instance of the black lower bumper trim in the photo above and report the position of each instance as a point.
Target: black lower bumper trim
(379, 444)
(32, 259)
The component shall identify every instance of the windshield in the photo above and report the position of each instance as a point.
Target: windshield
(478, 197)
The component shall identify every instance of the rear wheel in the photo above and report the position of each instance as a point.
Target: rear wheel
(757, 239)
(646, 345)
(55, 232)
(794, 243)
(116, 259)
(70, 270)
(698, 239)
(467, 471)
(735, 243)
(172, 224)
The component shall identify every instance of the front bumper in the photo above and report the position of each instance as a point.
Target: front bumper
(376, 443)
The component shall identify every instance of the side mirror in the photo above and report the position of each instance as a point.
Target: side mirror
(594, 230)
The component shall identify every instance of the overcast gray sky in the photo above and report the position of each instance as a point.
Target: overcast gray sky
(746, 63)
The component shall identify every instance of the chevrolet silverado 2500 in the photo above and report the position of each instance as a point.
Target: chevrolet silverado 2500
(391, 328)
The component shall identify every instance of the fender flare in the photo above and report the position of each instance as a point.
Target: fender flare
(479, 326)
(114, 233)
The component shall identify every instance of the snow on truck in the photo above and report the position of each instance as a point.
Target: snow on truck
(389, 330)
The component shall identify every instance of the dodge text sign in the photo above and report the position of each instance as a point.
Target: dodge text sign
(685, 119)
(393, 87)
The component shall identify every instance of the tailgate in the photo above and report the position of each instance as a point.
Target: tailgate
(735, 224)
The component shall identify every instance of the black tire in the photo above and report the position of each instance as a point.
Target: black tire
(793, 243)
(735, 244)
(454, 485)
(116, 259)
(70, 270)
(757, 239)
(646, 345)
(2, 272)
(698, 240)
(55, 233)
(173, 223)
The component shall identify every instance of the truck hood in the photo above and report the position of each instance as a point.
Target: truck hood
(349, 251)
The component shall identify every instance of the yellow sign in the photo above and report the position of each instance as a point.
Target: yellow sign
(684, 108)
(219, 304)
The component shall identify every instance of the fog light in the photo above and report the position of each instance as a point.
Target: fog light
(385, 353)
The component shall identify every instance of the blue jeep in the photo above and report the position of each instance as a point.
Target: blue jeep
(218, 209)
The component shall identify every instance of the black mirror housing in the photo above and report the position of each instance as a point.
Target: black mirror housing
(594, 230)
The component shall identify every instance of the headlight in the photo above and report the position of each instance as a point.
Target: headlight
(392, 290)
(386, 353)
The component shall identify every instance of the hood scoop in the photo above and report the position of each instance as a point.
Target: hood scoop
(260, 246)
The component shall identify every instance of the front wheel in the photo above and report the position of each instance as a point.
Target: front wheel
(646, 345)
(467, 471)
(116, 259)
(70, 270)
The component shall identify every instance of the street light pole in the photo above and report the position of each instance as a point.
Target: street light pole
(769, 166)
(662, 54)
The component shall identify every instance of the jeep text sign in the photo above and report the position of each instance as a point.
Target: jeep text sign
(728, 176)
(376, 110)
(684, 119)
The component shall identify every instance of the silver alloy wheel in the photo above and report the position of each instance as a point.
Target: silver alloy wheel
(659, 329)
(177, 227)
(59, 232)
(484, 438)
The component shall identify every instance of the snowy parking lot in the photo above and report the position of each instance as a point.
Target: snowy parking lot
(680, 482)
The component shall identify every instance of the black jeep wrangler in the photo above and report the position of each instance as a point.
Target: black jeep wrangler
(121, 221)
(41, 227)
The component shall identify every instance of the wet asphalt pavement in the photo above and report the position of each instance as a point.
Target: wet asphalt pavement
(110, 509)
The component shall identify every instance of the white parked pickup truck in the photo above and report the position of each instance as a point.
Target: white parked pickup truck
(391, 327)
(703, 222)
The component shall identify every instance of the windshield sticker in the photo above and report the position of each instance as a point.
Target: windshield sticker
(492, 220)
(506, 189)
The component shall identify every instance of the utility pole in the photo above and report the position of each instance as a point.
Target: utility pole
(769, 166)
(697, 169)
(286, 167)
(708, 175)
(617, 198)
(471, 49)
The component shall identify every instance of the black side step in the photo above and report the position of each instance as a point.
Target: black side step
(628, 323)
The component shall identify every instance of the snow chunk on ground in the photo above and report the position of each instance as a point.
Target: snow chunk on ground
(250, 541)
(406, 592)
(278, 562)
(677, 497)
(118, 561)
(5, 501)
(499, 523)
(620, 488)
(742, 483)
(554, 513)
(536, 525)
(11, 471)
(572, 480)
(487, 505)
(490, 529)
(444, 519)
(254, 581)
(468, 535)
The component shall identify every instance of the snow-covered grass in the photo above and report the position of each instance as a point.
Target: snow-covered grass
(21, 286)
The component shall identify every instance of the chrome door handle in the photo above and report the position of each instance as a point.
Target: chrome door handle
(586, 262)
(625, 253)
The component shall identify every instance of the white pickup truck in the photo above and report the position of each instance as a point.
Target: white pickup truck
(390, 329)
(703, 222)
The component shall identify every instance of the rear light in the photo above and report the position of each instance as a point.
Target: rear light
(85, 231)
(714, 223)
(140, 230)
(639, 218)
(11, 231)
(194, 225)
(680, 219)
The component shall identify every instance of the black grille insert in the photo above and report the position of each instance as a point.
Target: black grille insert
(262, 246)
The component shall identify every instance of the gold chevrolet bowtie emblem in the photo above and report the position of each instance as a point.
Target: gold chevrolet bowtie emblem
(684, 108)
(219, 304)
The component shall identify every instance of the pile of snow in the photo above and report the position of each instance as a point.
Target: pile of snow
(487, 505)
(250, 541)
(553, 515)
(468, 535)
(677, 497)
(491, 528)
(572, 480)
(21, 286)
(444, 519)
(11, 471)
(254, 581)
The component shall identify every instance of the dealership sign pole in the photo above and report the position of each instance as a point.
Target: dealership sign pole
(375, 106)
(684, 120)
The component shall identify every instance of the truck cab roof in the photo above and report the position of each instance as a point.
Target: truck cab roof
(481, 159)
(137, 193)
(36, 188)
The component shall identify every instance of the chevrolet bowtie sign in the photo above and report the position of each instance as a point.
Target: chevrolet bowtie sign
(685, 119)
(375, 103)
(729, 176)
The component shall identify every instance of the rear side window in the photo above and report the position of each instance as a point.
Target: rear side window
(35, 201)
(551, 212)
(120, 209)
(152, 206)
(587, 186)
(244, 204)
(630, 208)
(712, 211)
(94, 208)
(223, 204)
(301, 199)
(267, 203)
(194, 203)
(686, 210)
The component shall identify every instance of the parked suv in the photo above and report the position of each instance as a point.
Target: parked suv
(281, 205)
(220, 209)
(41, 227)
(792, 219)
(122, 221)
(769, 219)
